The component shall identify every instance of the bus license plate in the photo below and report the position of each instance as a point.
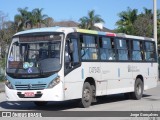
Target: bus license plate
(29, 94)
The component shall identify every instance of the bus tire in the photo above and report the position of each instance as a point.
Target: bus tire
(93, 93)
(40, 103)
(138, 89)
(86, 99)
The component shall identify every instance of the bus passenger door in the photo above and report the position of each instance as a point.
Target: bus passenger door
(72, 79)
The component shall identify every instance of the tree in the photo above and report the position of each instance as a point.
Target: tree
(6, 33)
(5, 36)
(158, 26)
(39, 17)
(147, 12)
(143, 26)
(48, 22)
(83, 23)
(29, 19)
(23, 19)
(127, 19)
(138, 24)
(87, 22)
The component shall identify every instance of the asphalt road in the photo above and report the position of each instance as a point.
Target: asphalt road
(149, 102)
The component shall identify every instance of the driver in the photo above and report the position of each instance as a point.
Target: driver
(43, 52)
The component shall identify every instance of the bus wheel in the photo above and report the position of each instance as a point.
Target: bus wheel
(40, 103)
(93, 93)
(86, 99)
(138, 89)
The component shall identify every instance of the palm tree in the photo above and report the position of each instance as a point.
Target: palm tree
(83, 23)
(87, 22)
(19, 19)
(39, 18)
(147, 11)
(23, 19)
(127, 19)
(27, 20)
(18, 22)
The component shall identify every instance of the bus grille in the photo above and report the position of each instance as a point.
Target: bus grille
(31, 87)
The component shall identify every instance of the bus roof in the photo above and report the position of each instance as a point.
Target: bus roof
(74, 29)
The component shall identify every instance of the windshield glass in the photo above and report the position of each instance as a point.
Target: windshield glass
(40, 56)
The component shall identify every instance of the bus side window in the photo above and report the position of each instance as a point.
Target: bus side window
(137, 53)
(107, 51)
(149, 51)
(89, 46)
(122, 49)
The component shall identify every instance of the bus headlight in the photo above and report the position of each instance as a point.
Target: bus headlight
(54, 82)
(8, 84)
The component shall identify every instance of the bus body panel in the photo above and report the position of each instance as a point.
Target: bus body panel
(111, 77)
(22, 85)
(73, 84)
(118, 77)
(109, 80)
(93, 70)
(75, 79)
(53, 94)
(149, 72)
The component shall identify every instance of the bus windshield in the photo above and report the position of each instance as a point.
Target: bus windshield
(41, 56)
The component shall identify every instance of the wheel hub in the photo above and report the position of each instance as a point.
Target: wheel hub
(86, 95)
(139, 90)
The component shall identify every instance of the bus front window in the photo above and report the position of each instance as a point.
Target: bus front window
(34, 58)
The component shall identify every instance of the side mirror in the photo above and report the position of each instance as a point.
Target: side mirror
(17, 44)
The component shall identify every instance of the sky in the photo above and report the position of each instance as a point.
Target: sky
(75, 9)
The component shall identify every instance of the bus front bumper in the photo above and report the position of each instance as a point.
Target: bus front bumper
(53, 94)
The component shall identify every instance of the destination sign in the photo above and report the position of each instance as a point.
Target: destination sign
(37, 38)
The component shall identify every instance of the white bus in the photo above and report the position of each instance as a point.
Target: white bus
(58, 63)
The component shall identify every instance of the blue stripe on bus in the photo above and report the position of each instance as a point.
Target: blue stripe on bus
(119, 72)
(102, 33)
(82, 72)
(46, 81)
(48, 29)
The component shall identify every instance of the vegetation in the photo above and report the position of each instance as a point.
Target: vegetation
(132, 23)
(158, 26)
(126, 22)
(6, 32)
(2, 67)
(87, 22)
(29, 19)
